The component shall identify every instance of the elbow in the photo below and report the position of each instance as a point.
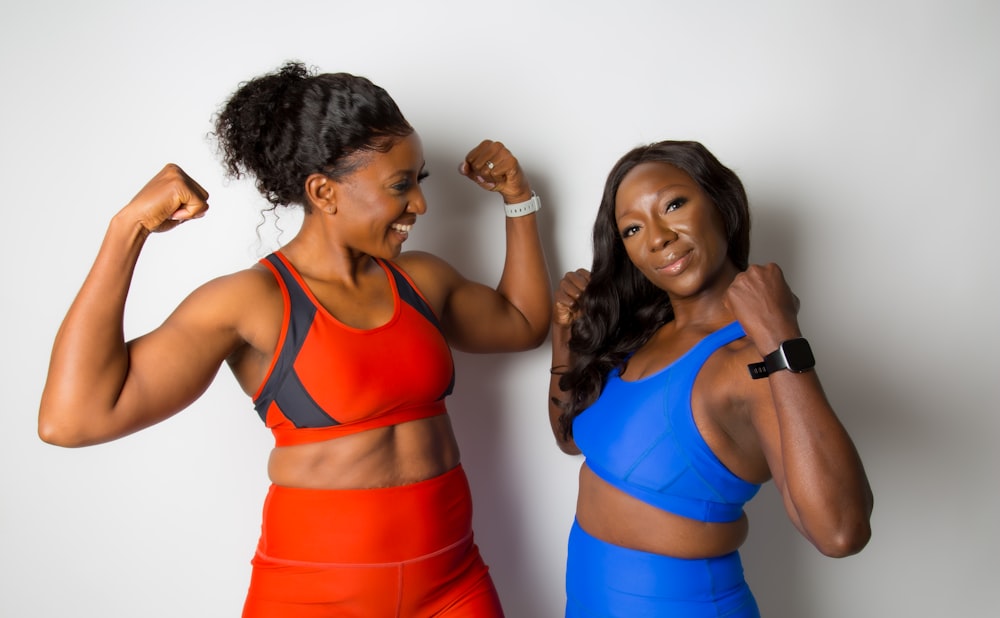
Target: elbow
(58, 433)
(538, 333)
(854, 533)
(539, 324)
(538, 338)
(53, 434)
(841, 526)
(848, 541)
(528, 338)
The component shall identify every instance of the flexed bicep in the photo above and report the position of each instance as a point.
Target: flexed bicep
(99, 391)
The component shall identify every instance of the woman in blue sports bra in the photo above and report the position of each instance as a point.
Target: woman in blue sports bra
(680, 373)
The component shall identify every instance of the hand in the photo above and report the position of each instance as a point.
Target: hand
(567, 295)
(491, 166)
(764, 305)
(168, 199)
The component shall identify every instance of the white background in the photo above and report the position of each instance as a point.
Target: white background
(866, 134)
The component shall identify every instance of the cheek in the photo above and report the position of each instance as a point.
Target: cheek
(632, 251)
(715, 229)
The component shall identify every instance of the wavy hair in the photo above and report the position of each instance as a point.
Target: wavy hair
(621, 309)
(283, 126)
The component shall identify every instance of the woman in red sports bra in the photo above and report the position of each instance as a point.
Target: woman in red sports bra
(342, 341)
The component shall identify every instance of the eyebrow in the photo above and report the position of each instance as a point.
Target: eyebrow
(659, 194)
(422, 171)
(669, 187)
(419, 170)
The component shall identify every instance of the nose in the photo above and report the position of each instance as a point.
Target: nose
(660, 237)
(417, 204)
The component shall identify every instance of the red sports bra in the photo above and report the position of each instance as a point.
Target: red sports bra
(328, 379)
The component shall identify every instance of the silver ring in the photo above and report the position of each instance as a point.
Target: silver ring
(489, 164)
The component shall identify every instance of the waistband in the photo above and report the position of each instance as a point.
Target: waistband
(595, 564)
(382, 525)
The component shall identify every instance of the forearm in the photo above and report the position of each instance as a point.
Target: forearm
(89, 356)
(524, 282)
(825, 482)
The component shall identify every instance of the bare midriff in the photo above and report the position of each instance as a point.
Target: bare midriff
(383, 457)
(615, 517)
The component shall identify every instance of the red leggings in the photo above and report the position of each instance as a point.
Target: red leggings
(396, 552)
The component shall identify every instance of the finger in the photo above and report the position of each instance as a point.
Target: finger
(571, 292)
(479, 173)
(579, 280)
(198, 191)
(570, 285)
(565, 300)
(564, 314)
(191, 199)
(194, 209)
(580, 277)
(185, 186)
(476, 160)
(491, 161)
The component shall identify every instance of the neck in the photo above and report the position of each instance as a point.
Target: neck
(319, 254)
(707, 307)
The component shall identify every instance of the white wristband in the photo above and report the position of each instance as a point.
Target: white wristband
(523, 208)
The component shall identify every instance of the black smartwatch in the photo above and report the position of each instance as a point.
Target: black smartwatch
(794, 355)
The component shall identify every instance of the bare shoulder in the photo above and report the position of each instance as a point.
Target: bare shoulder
(253, 281)
(433, 276)
(227, 300)
(418, 263)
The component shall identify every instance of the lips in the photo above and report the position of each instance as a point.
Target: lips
(675, 264)
(402, 228)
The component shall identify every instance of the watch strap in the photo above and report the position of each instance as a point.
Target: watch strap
(523, 208)
(794, 355)
(758, 370)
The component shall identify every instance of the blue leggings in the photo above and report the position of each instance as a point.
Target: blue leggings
(608, 581)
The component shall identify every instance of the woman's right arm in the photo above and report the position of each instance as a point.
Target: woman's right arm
(564, 312)
(100, 387)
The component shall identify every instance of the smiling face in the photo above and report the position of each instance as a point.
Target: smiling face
(671, 230)
(378, 203)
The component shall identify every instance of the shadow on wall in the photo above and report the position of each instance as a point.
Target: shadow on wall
(895, 442)
(770, 555)
(479, 413)
(771, 558)
(464, 225)
(777, 558)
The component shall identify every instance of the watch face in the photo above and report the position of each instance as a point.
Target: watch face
(798, 354)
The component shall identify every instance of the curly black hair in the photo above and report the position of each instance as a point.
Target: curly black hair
(621, 309)
(282, 126)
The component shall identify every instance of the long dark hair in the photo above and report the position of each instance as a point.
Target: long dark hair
(283, 126)
(621, 309)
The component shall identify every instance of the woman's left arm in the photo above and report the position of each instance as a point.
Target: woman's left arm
(516, 314)
(813, 460)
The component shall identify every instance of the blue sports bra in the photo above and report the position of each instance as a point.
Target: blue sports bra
(640, 437)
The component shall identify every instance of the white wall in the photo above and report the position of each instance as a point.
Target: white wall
(866, 133)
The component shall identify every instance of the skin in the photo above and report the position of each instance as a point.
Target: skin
(102, 387)
(781, 428)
